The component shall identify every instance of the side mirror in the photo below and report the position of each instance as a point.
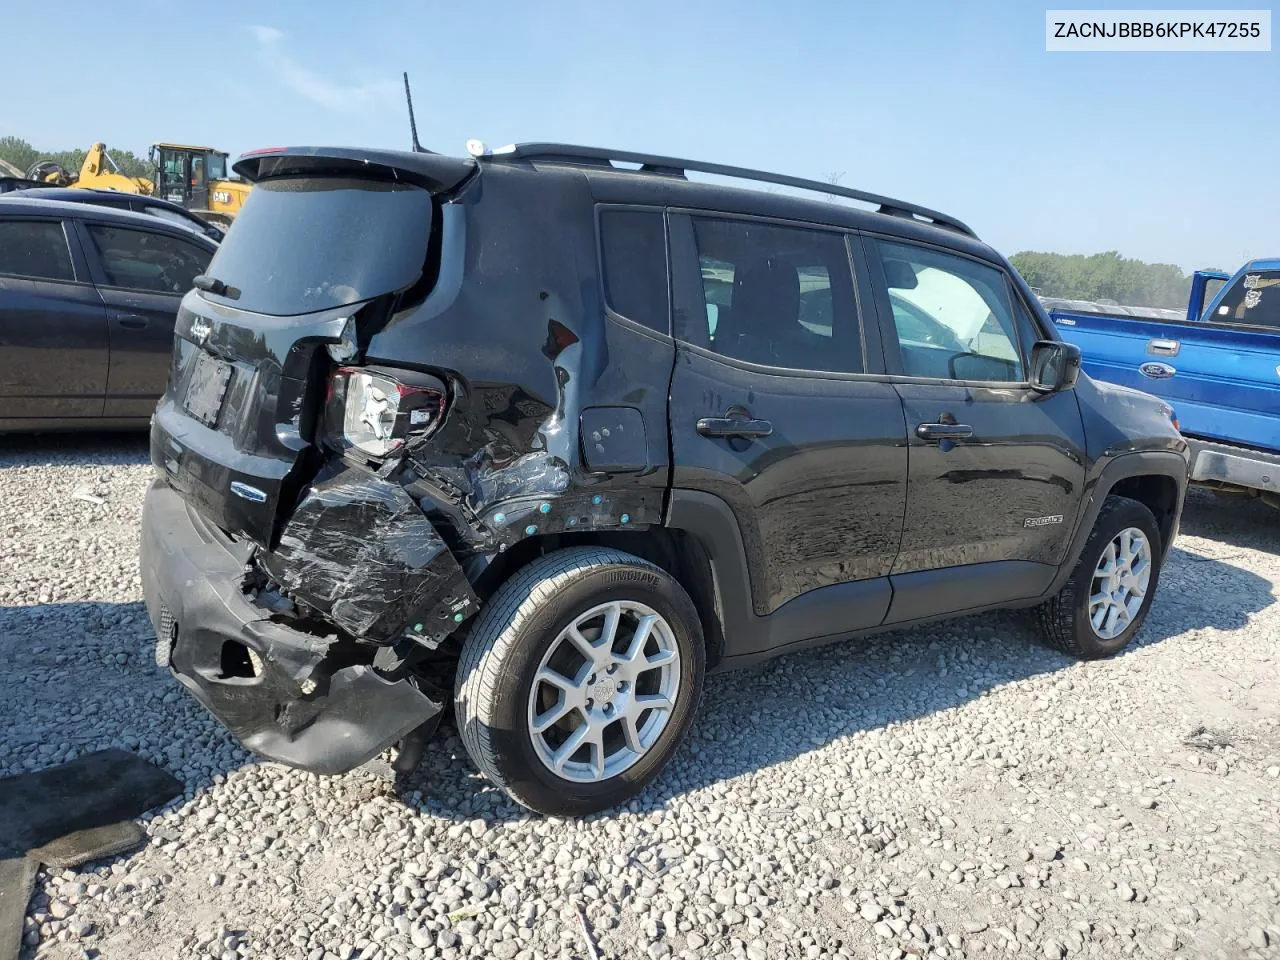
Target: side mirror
(1054, 366)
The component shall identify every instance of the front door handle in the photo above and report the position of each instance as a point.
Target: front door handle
(733, 427)
(944, 431)
(132, 321)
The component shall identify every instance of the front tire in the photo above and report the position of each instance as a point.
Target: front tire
(1106, 599)
(579, 680)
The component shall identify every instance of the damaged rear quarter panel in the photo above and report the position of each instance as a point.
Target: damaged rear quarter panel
(516, 325)
(359, 549)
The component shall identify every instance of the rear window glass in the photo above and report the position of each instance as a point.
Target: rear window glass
(35, 249)
(1253, 301)
(635, 265)
(303, 244)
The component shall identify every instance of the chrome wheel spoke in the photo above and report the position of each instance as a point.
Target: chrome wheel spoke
(1098, 613)
(597, 754)
(1107, 565)
(631, 734)
(549, 718)
(659, 659)
(571, 746)
(582, 644)
(1113, 615)
(609, 633)
(654, 701)
(640, 637)
(558, 680)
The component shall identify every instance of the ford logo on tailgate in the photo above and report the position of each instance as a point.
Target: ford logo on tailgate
(1154, 370)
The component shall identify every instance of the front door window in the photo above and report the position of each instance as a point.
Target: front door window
(952, 316)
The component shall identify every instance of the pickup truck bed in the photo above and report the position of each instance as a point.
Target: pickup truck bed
(1221, 375)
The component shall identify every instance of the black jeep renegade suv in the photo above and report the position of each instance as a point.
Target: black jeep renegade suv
(564, 435)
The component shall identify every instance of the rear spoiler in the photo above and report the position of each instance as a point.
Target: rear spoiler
(434, 171)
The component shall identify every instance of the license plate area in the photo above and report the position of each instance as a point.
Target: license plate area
(206, 388)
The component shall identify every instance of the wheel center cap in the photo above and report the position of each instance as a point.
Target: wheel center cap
(605, 690)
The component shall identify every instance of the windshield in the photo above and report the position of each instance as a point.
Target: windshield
(1253, 300)
(304, 244)
(217, 166)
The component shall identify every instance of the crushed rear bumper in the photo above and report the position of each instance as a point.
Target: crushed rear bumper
(288, 695)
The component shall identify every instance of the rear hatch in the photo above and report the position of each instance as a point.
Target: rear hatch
(327, 241)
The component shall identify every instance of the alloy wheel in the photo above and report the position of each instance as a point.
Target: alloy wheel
(1120, 582)
(604, 692)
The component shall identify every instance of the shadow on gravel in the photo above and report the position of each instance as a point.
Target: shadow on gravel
(73, 449)
(1239, 521)
(80, 676)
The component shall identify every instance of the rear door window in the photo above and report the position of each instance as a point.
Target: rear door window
(303, 244)
(35, 249)
(1253, 301)
(141, 260)
(778, 295)
(633, 246)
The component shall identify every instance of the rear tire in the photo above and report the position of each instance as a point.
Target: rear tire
(1097, 612)
(543, 666)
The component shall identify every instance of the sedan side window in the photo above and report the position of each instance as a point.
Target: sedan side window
(138, 260)
(952, 315)
(35, 250)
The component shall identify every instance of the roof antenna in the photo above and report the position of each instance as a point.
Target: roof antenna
(413, 125)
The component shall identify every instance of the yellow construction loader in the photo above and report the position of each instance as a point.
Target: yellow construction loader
(195, 177)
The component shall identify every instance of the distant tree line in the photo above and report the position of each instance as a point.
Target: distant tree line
(1104, 276)
(22, 155)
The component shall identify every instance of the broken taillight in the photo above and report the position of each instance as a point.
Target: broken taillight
(369, 410)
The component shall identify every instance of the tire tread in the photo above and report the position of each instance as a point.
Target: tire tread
(1056, 615)
(498, 628)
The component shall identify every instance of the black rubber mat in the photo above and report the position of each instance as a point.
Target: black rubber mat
(67, 815)
(17, 879)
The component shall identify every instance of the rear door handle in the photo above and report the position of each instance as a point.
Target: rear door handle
(132, 321)
(944, 431)
(733, 427)
(1163, 348)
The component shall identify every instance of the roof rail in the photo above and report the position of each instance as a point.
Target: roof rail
(674, 166)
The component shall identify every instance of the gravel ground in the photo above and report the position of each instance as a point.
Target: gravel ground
(950, 791)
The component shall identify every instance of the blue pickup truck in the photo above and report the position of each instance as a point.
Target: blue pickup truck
(1218, 367)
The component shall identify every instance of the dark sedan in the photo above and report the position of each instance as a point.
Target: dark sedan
(151, 206)
(88, 298)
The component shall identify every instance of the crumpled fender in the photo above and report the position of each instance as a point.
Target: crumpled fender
(359, 550)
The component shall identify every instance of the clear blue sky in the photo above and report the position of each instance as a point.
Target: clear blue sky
(1166, 157)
